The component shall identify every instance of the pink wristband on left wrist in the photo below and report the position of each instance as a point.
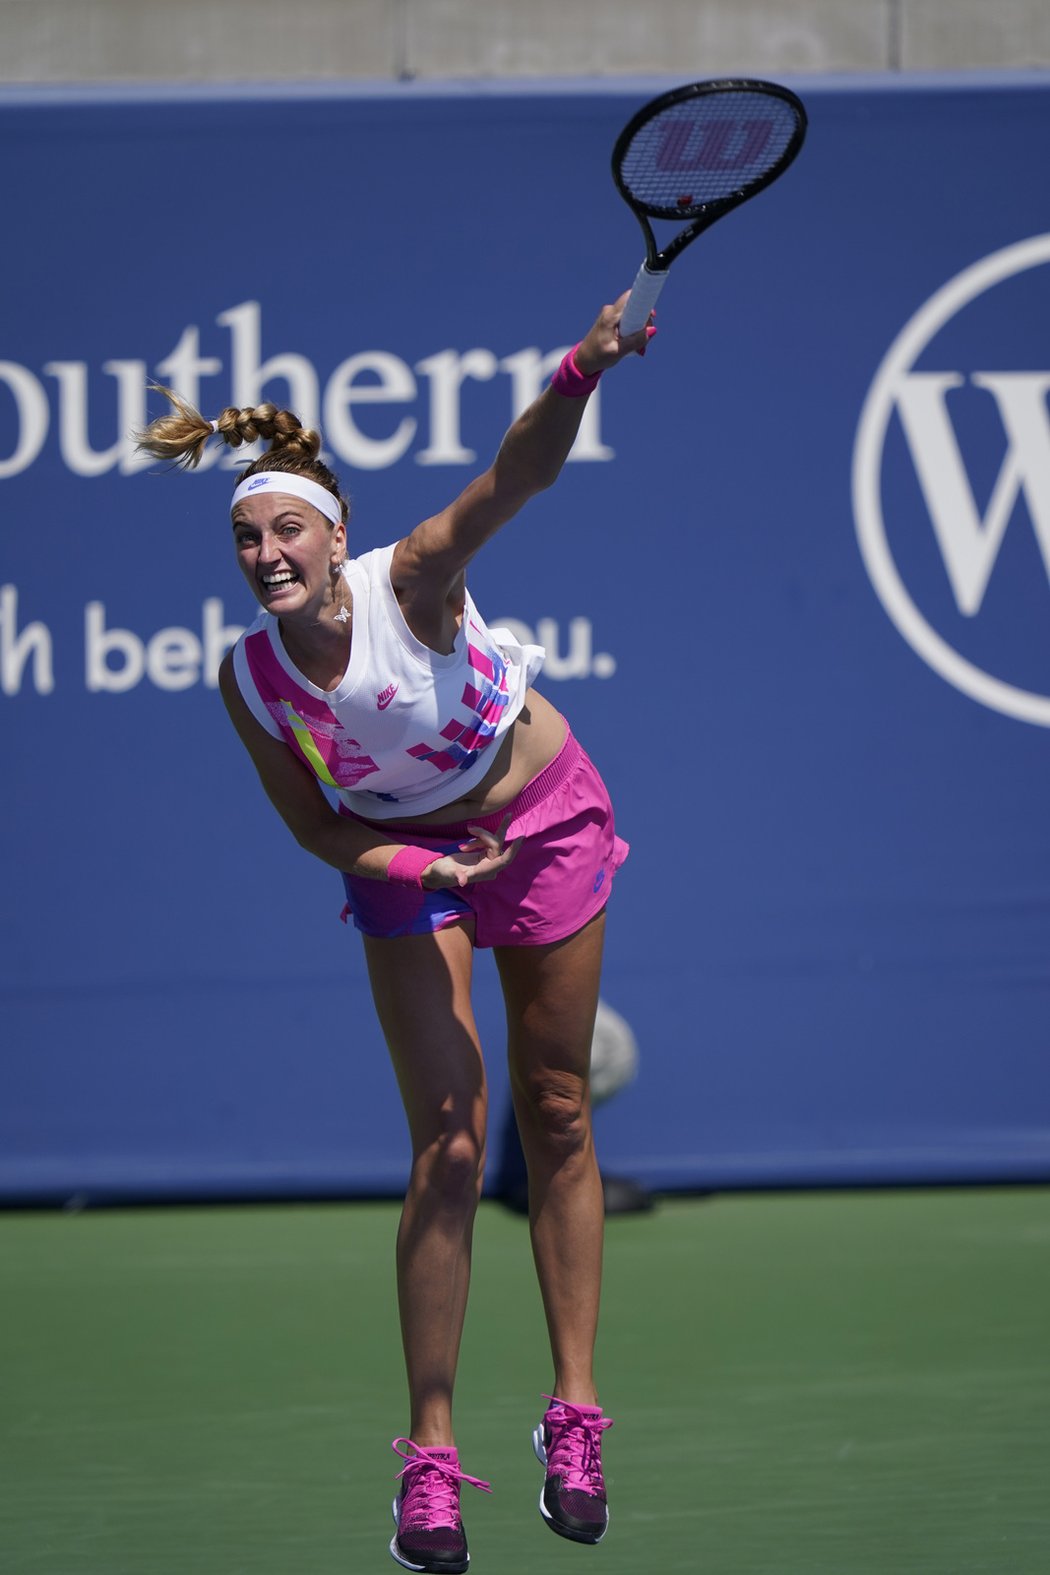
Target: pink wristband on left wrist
(570, 382)
(407, 866)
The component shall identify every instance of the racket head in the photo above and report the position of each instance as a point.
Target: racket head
(699, 150)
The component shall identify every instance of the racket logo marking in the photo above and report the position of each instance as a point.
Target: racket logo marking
(722, 145)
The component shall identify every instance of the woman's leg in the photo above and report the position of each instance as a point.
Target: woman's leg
(421, 987)
(551, 993)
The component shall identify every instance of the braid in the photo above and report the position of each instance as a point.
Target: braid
(281, 429)
(182, 435)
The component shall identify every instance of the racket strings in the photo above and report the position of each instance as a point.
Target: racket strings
(706, 149)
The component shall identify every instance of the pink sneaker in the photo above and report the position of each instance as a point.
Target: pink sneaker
(569, 1443)
(429, 1532)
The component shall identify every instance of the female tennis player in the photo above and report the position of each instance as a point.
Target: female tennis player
(461, 812)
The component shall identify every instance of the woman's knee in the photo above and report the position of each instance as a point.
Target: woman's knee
(451, 1166)
(554, 1112)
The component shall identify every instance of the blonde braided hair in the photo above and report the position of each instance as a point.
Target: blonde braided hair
(181, 436)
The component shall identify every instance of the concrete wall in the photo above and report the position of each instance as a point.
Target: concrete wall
(260, 40)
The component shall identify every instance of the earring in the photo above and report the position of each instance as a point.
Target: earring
(343, 615)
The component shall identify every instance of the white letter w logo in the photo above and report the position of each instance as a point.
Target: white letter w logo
(969, 544)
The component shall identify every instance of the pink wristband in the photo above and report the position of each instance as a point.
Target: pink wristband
(407, 866)
(570, 382)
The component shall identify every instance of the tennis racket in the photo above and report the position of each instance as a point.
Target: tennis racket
(695, 154)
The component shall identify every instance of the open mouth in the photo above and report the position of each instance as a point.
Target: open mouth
(273, 584)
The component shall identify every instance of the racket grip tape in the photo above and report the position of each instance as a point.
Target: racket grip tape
(644, 292)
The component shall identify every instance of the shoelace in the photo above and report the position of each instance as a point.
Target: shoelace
(433, 1485)
(574, 1454)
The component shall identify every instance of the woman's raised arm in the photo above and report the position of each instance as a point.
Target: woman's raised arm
(530, 458)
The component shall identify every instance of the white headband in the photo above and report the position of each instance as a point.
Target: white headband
(295, 486)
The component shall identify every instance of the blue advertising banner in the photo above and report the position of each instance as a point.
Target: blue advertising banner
(793, 588)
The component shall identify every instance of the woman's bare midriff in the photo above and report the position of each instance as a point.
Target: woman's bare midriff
(535, 738)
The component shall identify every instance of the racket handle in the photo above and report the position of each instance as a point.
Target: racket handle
(642, 299)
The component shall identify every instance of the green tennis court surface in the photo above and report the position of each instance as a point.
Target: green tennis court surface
(843, 1384)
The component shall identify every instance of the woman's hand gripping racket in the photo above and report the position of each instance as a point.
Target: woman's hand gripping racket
(696, 153)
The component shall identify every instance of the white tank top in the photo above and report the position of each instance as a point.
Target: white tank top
(406, 730)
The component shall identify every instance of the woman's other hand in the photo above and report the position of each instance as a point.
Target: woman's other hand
(480, 859)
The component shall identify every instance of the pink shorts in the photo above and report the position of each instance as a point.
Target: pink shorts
(559, 879)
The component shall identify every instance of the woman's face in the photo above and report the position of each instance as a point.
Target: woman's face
(286, 550)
